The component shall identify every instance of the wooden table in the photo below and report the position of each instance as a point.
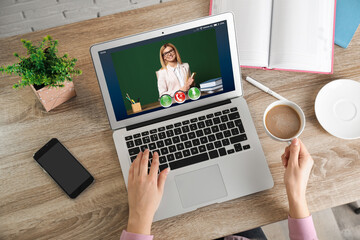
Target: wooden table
(33, 207)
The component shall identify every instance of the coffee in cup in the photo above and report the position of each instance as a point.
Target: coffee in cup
(284, 120)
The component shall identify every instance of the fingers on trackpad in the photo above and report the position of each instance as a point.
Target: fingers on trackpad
(200, 186)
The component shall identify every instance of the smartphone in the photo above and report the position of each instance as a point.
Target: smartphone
(63, 167)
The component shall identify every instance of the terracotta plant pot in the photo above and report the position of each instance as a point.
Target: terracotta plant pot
(51, 97)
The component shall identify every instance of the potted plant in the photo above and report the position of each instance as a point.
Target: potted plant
(49, 75)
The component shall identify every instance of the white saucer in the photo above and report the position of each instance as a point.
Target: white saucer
(337, 108)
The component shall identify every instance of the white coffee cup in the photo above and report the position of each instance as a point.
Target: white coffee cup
(298, 110)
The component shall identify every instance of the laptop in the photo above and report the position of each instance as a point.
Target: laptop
(199, 123)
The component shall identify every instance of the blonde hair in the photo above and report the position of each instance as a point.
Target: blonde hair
(164, 62)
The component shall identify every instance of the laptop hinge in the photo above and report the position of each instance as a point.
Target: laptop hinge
(175, 115)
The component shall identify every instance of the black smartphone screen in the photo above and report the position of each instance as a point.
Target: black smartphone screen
(62, 166)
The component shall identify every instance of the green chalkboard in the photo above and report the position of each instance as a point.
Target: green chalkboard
(135, 68)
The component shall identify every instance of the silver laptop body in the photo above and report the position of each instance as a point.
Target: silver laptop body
(208, 168)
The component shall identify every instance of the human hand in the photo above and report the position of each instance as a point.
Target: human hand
(144, 192)
(187, 85)
(298, 163)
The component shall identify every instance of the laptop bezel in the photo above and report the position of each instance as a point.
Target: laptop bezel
(95, 49)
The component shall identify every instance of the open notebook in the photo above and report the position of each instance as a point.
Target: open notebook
(293, 35)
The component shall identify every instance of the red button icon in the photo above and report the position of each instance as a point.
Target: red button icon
(179, 97)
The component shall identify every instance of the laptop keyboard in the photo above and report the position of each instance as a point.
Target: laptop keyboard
(192, 141)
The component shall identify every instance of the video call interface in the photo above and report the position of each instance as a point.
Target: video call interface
(168, 71)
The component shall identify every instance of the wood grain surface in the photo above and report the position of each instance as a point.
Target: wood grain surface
(33, 207)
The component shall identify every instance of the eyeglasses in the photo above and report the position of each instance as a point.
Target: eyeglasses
(166, 54)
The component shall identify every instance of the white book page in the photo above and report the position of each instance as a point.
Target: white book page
(302, 35)
(252, 23)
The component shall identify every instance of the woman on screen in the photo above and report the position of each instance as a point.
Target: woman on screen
(173, 75)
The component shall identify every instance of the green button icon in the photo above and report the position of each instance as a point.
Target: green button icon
(166, 100)
(194, 93)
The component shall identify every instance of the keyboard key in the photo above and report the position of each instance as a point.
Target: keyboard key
(193, 120)
(153, 131)
(170, 157)
(178, 155)
(230, 151)
(134, 151)
(164, 151)
(216, 120)
(210, 115)
(227, 133)
(199, 133)
(150, 155)
(160, 144)
(225, 142)
(146, 139)
(142, 148)
(222, 127)
(194, 151)
(172, 148)
(145, 133)
(246, 146)
(222, 151)
(238, 147)
(191, 135)
(219, 135)
(193, 127)
(169, 126)
(177, 131)
(162, 167)
(230, 124)
(217, 113)
(154, 137)
(152, 146)
(177, 124)
(224, 118)
(202, 148)
(127, 138)
(132, 158)
(176, 139)
(168, 141)
(180, 146)
(130, 144)
(208, 123)
(160, 129)
(186, 153)
(234, 115)
(213, 154)
(162, 135)
(201, 124)
(184, 137)
(238, 138)
(239, 124)
(210, 146)
(203, 140)
(185, 129)
(226, 111)
(138, 142)
(234, 109)
(211, 138)
(207, 131)
(188, 161)
(170, 133)
(188, 144)
(234, 131)
(196, 142)
(201, 118)
(137, 135)
(185, 122)
(162, 159)
(217, 144)
(215, 129)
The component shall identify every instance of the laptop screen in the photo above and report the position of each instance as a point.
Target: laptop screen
(168, 71)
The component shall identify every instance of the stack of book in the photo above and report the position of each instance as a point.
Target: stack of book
(211, 85)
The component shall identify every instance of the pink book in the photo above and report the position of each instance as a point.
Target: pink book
(295, 35)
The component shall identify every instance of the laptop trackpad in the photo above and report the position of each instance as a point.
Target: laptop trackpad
(200, 186)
